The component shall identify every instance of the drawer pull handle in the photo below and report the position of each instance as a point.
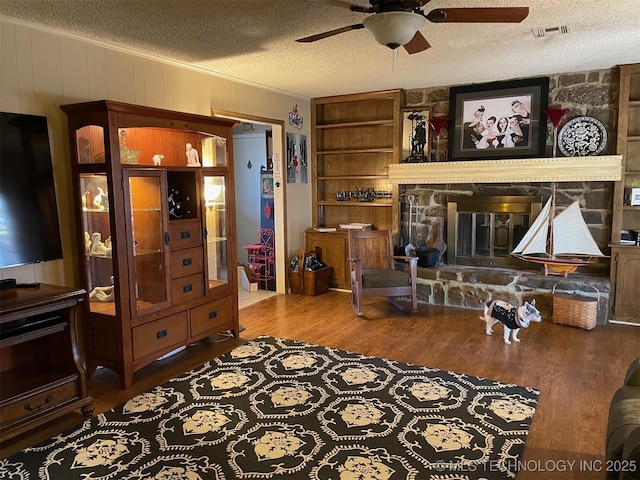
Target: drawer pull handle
(186, 262)
(161, 334)
(186, 234)
(213, 314)
(35, 408)
(187, 288)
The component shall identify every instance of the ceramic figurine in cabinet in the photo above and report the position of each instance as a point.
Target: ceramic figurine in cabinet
(86, 196)
(87, 243)
(97, 245)
(99, 200)
(193, 160)
(175, 204)
(157, 159)
(107, 246)
(103, 294)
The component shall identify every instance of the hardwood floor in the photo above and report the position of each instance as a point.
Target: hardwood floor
(576, 371)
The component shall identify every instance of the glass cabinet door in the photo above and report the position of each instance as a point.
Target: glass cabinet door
(216, 230)
(98, 247)
(90, 144)
(214, 151)
(148, 238)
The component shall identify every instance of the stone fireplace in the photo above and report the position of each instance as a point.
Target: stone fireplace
(492, 226)
(465, 280)
(588, 179)
(483, 230)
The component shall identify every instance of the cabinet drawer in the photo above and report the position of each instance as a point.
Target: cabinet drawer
(186, 288)
(159, 335)
(186, 262)
(184, 234)
(209, 317)
(38, 403)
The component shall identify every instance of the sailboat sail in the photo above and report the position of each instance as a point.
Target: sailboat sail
(535, 240)
(571, 234)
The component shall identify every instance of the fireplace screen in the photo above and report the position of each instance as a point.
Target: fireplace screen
(483, 230)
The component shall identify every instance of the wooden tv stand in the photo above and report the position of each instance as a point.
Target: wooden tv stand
(41, 377)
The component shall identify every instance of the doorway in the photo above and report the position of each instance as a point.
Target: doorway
(248, 163)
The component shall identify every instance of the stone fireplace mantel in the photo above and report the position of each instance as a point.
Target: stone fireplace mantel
(528, 170)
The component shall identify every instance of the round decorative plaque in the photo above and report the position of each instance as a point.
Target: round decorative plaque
(582, 136)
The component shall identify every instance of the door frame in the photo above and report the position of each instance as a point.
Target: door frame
(279, 191)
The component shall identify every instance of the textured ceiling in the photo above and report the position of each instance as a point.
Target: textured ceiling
(254, 40)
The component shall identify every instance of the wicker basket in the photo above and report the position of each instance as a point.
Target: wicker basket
(575, 310)
(309, 282)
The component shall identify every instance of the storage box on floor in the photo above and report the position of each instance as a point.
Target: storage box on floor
(575, 310)
(309, 282)
(244, 279)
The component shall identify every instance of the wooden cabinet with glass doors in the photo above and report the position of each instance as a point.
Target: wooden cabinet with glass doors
(154, 198)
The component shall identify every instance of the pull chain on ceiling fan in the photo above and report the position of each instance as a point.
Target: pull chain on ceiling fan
(396, 23)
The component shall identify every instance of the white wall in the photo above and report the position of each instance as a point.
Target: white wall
(41, 69)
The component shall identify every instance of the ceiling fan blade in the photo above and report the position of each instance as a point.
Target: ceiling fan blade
(478, 15)
(330, 33)
(350, 6)
(417, 44)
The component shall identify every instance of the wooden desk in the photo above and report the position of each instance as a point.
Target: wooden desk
(41, 377)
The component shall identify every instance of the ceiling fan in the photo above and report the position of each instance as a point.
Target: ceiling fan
(396, 23)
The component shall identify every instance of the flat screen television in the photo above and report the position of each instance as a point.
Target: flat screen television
(29, 228)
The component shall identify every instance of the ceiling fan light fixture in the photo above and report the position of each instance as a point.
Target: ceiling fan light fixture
(394, 29)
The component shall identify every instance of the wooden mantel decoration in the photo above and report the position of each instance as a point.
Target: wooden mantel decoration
(528, 170)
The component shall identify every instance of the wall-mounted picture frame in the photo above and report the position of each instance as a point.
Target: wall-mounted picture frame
(415, 136)
(297, 171)
(498, 120)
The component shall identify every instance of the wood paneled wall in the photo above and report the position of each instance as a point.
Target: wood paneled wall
(42, 69)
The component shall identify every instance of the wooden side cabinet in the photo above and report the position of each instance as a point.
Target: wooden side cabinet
(41, 377)
(625, 271)
(334, 253)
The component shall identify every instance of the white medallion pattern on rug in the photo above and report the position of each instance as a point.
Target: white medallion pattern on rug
(277, 408)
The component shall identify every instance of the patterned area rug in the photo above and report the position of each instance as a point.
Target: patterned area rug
(277, 408)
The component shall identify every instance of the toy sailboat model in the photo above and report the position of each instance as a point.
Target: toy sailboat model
(560, 242)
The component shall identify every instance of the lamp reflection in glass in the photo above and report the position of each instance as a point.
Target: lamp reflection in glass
(555, 115)
(211, 194)
(438, 125)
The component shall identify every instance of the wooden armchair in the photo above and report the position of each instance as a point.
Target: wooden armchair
(373, 273)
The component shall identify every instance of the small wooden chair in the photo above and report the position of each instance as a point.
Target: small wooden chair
(373, 272)
(261, 257)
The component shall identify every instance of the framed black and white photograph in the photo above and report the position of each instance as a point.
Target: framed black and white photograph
(498, 120)
(415, 136)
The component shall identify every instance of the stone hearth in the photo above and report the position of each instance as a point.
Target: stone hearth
(470, 287)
